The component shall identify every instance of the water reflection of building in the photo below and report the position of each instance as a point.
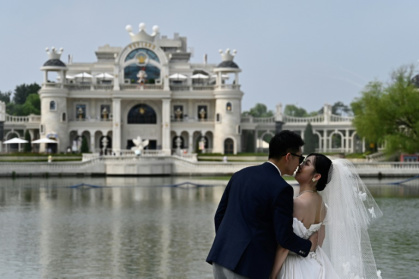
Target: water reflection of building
(150, 88)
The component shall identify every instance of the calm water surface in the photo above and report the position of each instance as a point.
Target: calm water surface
(145, 228)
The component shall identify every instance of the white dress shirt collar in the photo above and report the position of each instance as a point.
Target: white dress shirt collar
(275, 167)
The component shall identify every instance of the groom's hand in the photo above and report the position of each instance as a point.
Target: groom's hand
(314, 238)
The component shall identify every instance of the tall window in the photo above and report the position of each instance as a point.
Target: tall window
(80, 111)
(178, 112)
(52, 105)
(229, 107)
(105, 110)
(202, 112)
(142, 114)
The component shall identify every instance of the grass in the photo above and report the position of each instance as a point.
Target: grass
(22, 157)
(31, 154)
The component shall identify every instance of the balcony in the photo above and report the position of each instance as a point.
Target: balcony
(141, 87)
(86, 86)
(23, 119)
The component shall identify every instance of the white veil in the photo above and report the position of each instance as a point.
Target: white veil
(351, 209)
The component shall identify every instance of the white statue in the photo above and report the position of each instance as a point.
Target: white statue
(139, 145)
(141, 76)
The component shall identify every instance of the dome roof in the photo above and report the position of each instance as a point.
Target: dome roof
(54, 63)
(227, 64)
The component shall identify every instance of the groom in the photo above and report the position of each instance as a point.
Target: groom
(255, 215)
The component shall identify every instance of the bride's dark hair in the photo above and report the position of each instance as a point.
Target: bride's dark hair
(323, 166)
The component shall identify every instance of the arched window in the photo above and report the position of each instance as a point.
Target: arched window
(63, 117)
(229, 107)
(143, 66)
(52, 105)
(142, 114)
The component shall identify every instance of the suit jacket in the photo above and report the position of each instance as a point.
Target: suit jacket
(255, 214)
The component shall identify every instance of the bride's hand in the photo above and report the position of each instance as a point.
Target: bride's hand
(314, 238)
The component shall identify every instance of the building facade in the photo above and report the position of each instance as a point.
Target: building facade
(147, 89)
(148, 93)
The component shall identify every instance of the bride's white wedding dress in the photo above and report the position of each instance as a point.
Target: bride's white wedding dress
(315, 265)
(346, 252)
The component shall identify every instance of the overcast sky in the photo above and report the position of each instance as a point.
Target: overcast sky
(306, 53)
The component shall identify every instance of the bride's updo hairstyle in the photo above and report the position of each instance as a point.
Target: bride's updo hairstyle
(323, 166)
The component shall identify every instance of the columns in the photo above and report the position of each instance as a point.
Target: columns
(325, 140)
(165, 135)
(62, 78)
(92, 142)
(190, 143)
(45, 76)
(116, 125)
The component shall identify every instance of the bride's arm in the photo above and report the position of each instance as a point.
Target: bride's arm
(281, 254)
(322, 235)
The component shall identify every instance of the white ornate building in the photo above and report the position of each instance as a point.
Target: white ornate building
(149, 89)
(146, 89)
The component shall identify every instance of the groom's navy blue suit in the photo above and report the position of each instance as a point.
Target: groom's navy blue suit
(253, 217)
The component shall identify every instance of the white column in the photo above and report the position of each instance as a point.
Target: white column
(92, 142)
(116, 125)
(165, 77)
(165, 134)
(63, 80)
(324, 140)
(117, 79)
(363, 145)
(190, 143)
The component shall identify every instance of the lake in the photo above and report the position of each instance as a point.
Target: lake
(145, 227)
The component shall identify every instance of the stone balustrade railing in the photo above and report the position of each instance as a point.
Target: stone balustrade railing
(23, 119)
(311, 119)
(174, 165)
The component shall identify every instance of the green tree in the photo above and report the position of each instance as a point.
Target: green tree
(84, 146)
(259, 110)
(292, 110)
(5, 97)
(23, 91)
(28, 145)
(31, 105)
(340, 108)
(310, 139)
(388, 113)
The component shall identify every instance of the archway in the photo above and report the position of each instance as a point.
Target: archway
(142, 114)
(228, 146)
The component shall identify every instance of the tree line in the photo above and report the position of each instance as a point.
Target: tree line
(24, 100)
(385, 114)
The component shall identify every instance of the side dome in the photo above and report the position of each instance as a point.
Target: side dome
(54, 63)
(228, 64)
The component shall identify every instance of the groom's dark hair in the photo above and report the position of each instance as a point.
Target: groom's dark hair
(284, 142)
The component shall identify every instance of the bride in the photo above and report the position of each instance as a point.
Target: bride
(341, 215)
